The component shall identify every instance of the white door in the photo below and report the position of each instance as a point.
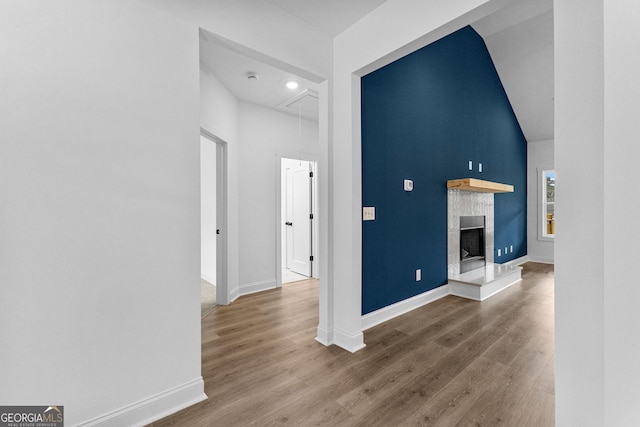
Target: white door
(298, 219)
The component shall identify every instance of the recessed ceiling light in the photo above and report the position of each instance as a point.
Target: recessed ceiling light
(292, 84)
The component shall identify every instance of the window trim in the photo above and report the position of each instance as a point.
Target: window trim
(542, 207)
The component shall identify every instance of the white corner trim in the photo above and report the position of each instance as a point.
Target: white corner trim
(153, 408)
(377, 317)
(350, 342)
(252, 288)
(324, 336)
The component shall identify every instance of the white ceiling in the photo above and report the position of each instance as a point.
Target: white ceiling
(232, 67)
(518, 37)
(269, 89)
(329, 16)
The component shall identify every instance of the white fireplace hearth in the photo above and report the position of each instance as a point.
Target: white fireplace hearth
(475, 200)
(481, 283)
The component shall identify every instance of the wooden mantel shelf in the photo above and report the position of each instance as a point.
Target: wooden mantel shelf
(472, 184)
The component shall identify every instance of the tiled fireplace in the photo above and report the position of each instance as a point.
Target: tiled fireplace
(468, 204)
(472, 272)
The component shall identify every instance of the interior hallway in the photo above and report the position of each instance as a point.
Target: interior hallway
(452, 362)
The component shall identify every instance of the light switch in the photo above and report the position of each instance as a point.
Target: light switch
(470, 165)
(418, 275)
(408, 185)
(479, 167)
(499, 252)
(368, 213)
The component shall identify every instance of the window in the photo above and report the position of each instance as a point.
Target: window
(548, 203)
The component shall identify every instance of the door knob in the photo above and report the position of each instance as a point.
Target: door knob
(288, 223)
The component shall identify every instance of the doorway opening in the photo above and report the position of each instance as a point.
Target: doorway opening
(297, 220)
(213, 200)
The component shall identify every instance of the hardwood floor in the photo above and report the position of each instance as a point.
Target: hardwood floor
(454, 362)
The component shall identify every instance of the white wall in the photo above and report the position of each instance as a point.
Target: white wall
(219, 116)
(621, 206)
(579, 255)
(208, 226)
(99, 214)
(539, 158)
(265, 135)
(218, 108)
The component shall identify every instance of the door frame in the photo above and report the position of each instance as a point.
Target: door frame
(314, 210)
(222, 241)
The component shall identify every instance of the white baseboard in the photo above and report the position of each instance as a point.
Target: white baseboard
(153, 408)
(234, 294)
(252, 288)
(518, 261)
(377, 317)
(350, 342)
(541, 260)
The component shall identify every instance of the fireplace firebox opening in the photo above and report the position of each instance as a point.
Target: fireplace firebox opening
(472, 243)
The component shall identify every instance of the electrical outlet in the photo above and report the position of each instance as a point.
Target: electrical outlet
(480, 167)
(418, 275)
(470, 165)
(499, 252)
(511, 248)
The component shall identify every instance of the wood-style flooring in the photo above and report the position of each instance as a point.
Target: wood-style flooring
(454, 362)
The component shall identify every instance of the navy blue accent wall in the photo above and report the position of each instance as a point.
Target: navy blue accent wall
(423, 118)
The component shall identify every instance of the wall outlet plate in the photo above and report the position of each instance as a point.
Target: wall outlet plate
(408, 185)
(418, 275)
(368, 213)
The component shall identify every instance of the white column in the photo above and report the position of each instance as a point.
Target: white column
(597, 87)
(621, 209)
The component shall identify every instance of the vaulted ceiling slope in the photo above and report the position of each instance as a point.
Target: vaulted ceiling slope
(519, 38)
(520, 41)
